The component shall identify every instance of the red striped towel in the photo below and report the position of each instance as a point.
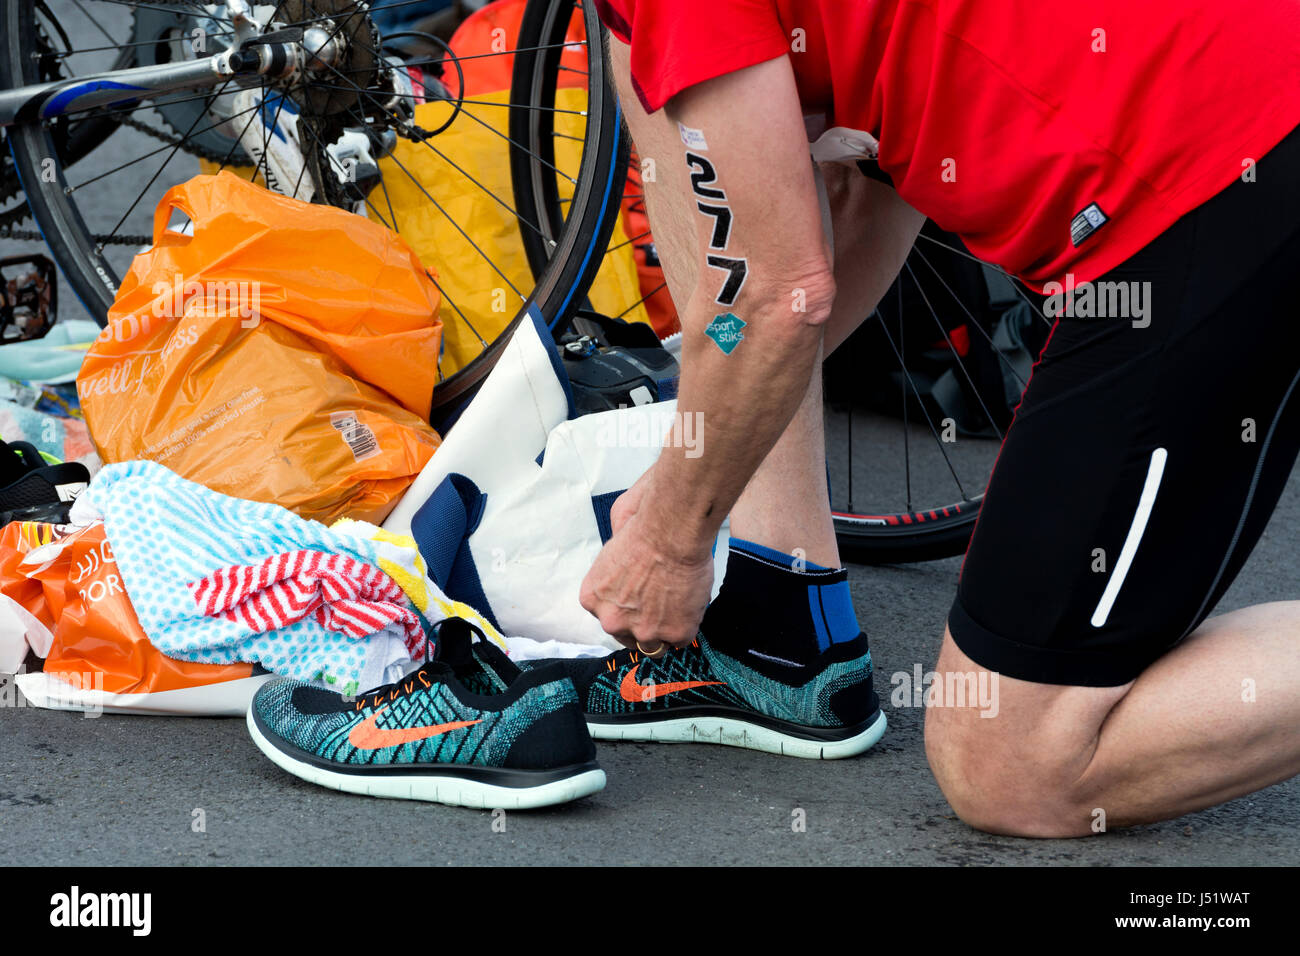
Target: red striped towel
(342, 593)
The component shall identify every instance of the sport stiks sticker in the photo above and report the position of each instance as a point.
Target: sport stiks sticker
(726, 331)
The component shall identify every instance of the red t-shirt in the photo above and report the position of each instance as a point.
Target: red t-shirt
(1053, 136)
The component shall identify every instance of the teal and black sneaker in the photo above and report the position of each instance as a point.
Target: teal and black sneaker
(516, 741)
(696, 693)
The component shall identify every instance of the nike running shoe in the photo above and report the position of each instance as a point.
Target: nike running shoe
(517, 740)
(699, 694)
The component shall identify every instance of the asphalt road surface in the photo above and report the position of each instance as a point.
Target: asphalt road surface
(129, 790)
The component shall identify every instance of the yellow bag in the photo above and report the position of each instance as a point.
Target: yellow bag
(477, 145)
(285, 353)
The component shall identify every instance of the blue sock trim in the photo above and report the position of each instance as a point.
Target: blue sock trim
(771, 554)
(818, 619)
(837, 606)
(833, 617)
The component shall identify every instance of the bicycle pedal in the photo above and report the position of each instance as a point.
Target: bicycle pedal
(28, 298)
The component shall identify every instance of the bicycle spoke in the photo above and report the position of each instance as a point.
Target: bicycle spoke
(1015, 283)
(155, 176)
(437, 205)
(134, 5)
(98, 26)
(522, 49)
(514, 106)
(116, 46)
(960, 364)
(518, 106)
(924, 412)
(477, 247)
(496, 132)
(392, 224)
(467, 113)
(138, 159)
(648, 295)
(971, 318)
(627, 242)
(204, 124)
(907, 437)
(463, 317)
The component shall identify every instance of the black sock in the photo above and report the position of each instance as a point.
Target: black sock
(783, 622)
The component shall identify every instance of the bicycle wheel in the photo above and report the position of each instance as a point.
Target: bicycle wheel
(94, 217)
(919, 399)
(564, 248)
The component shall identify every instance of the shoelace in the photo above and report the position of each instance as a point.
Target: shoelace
(628, 655)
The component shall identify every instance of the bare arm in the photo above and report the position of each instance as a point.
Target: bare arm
(764, 285)
(753, 126)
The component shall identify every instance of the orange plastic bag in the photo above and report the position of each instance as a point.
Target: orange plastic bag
(69, 582)
(660, 310)
(285, 352)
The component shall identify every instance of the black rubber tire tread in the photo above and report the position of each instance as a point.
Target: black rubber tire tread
(901, 544)
(71, 244)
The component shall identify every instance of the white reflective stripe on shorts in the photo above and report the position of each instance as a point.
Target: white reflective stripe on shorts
(1155, 471)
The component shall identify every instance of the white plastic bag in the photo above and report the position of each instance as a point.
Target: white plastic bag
(513, 508)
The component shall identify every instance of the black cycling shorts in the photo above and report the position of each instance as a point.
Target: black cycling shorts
(1148, 452)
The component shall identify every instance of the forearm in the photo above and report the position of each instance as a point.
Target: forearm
(738, 404)
(742, 180)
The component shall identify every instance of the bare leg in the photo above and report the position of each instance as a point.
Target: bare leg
(785, 505)
(1213, 719)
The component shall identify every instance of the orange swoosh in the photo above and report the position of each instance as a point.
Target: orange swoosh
(367, 736)
(635, 693)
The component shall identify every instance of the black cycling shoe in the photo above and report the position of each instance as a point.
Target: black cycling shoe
(28, 482)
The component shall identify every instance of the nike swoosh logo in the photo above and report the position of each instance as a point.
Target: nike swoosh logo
(367, 736)
(635, 693)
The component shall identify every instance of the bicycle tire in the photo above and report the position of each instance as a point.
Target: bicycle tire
(902, 539)
(84, 267)
(566, 272)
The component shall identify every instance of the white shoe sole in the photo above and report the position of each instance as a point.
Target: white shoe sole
(453, 791)
(731, 732)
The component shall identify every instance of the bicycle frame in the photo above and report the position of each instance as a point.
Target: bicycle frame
(279, 54)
